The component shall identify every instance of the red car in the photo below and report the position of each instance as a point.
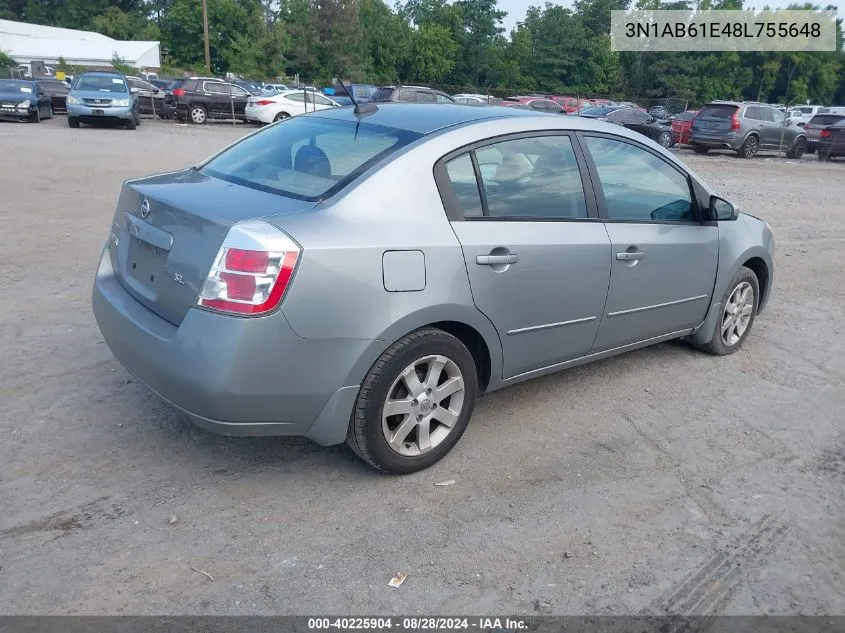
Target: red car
(680, 126)
(570, 104)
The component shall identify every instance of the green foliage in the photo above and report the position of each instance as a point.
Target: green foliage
(449, 43)
(120, 65)
(6, 61)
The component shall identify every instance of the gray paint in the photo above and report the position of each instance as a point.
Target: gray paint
(403, 271)
(297, 371)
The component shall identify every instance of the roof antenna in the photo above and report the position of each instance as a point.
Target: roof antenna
(361, 109)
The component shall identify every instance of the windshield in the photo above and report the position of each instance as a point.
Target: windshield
(307, 158)
(23, 87)
(100, 83)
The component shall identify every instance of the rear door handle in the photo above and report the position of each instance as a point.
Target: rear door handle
(494, 260)
(630, 256)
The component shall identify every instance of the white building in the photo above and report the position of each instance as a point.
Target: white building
(26, 43)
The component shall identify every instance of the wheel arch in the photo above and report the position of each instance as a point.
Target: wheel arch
(465, 323)
(761, 270)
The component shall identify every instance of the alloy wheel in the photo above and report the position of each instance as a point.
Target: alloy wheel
(423, 405)
(198, 115)
(737, 314)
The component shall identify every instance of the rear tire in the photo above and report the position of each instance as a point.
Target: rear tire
(408, 376)
(72, 122)
(737, 316)
(700, 149)
(198, 115)
(281, 116)
(749, 147)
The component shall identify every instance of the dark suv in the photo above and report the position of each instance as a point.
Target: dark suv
(409, 94)
(198, 99)
(745, 128)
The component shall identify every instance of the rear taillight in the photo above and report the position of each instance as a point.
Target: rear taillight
(734, 121)
(824, 133)
(252, 270)
(264, 102)
(178, 92)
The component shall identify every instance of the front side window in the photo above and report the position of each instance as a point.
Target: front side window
(305, 158)
(531, 178)
(637, 185)
(239, 92)
(444, 99)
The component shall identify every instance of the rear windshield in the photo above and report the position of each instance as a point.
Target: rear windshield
(826, 119)
(382, 94)
(308, 158)
(718, 111)
(100, 83)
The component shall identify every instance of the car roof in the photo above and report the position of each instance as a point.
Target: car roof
(102, 73)
(425, 118)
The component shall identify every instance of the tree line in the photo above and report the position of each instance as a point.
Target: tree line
(458, 45)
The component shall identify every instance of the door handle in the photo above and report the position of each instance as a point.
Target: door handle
(630, 256)
(494, 260)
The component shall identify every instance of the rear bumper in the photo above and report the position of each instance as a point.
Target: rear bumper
(722, 140)
(231, 375)
(261, 115)
(86, 113)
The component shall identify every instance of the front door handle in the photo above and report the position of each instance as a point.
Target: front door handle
(630, 256)
(496, 260)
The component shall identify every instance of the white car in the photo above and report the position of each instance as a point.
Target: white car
(266, 109)
(270, 89)
(471, 98)
(799, 115)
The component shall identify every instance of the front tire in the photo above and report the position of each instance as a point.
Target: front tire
(749, 147)
(415, 402)
(72, 122)
(739, 309)
(665, 140)
(131, 124)
(797, 150)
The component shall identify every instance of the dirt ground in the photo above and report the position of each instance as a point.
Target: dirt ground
(662, 480)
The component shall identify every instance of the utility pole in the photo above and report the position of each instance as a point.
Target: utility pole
(205, 35)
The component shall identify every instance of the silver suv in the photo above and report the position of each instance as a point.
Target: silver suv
(746, 128)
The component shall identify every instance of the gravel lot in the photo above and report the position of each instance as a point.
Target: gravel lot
(664, 479)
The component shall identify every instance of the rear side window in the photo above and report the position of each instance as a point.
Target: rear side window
(382, 94)
(753, 112)
(308, 159)
(535, 178)
(826, 119)
(718, 111)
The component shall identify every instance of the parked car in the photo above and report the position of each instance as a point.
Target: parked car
(815, 125)
(268, 89)
(570, 104)
(285, 105)
(362, 92)
(471, 99)
(409, 94)
(800, 115)
(57, 91)
(541, 104)
(745, 128)
(644, 123)
(150, 97)
(251, 87)
(102, 97)
(659, 112)
(161, 84)
(198, 99)
(681, 125)
(226, 288)
(832, 141)
(24, 100)
(599, 112)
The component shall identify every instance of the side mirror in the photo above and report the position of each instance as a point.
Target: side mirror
(721, 209)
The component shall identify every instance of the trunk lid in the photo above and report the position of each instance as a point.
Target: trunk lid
(167, 230)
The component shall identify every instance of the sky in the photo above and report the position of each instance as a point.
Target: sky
(516, 8)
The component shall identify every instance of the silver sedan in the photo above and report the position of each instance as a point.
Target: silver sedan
(362, 275)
